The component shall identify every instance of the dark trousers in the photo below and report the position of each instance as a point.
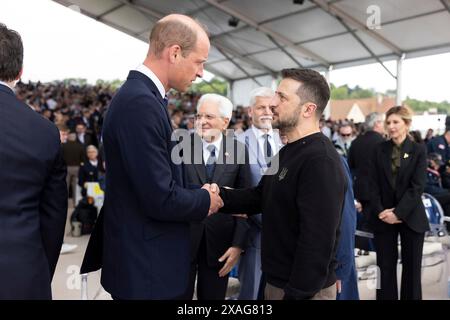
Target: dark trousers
(209, 285)
(362, 224)
(411, 258)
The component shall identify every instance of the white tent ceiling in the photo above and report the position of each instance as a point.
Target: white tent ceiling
(272, 35)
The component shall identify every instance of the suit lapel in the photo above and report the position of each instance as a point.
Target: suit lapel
(407, 152)
(199, 167)
(221, 161)
(252, 145)
(152, 87)
(387, 162)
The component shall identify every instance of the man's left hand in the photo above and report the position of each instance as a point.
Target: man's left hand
(231, 257)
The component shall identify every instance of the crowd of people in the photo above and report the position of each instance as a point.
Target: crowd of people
(281, 209)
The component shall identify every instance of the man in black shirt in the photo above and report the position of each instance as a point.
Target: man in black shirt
(300, 196)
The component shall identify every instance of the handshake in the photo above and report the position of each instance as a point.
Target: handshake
(216, 200)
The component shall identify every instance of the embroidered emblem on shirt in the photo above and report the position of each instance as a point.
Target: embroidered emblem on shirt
(282, 174)
(405, 156)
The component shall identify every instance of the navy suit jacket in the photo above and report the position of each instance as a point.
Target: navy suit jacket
(33, 200)
(147, 208)
(345, 255)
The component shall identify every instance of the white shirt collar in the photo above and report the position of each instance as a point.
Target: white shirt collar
(206, 152)
(259, 133)
(142, 68)
(7, 85)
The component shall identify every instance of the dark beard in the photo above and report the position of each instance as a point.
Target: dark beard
(287, 124)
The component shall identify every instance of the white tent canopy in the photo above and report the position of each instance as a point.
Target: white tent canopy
(272, 35)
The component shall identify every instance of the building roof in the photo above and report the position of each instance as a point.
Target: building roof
(340, 109)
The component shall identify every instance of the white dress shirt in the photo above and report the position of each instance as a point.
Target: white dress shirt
(259, 134)
(142, 68)
(207, 153)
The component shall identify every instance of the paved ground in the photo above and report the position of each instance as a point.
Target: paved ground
(67, 282)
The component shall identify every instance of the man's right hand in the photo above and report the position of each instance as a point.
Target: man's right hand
(215, 200)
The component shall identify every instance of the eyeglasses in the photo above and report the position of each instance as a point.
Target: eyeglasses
(209, 117)
(346, 134)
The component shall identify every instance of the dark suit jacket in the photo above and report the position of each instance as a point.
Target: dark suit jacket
(88, 140)
(87, 173)
(147, 210)
(74, 153)
(359, 160)
(405, 195)
(221, 230)
(33, 200)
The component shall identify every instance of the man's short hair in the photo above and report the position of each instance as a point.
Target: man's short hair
(91, 147)
(314, 87)
(63, 128)
(170, 32)
(11, 54)
(260, 92)
(225, 105)
(372, 119)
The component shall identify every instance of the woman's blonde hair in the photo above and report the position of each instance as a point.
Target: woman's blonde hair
(402, 112)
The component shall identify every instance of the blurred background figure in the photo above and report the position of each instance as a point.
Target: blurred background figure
(74, 155)
(344, 139)
(89, 170)
(360, 160)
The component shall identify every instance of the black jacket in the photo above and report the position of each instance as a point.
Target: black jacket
(74, 153)
(301, 201)
(221, 230)
(405, 195)
(359, 160)
(33, 200)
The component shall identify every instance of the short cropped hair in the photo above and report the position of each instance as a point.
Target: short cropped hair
(11, 54)
(372, 119)
(225, 105)
(314, 87)
(260, 92)
(166, 33)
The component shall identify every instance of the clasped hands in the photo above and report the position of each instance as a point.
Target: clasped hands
(388, 216)
(216, 201)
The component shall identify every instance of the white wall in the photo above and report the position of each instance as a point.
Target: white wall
(427, 121)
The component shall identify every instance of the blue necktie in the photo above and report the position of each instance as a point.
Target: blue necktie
(165, 101)
(267, 150)
(211, 162)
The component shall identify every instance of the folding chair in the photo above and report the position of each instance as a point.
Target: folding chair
(437, 239)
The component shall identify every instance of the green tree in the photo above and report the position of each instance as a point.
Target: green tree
(113, 84)
(422, 106)
(339, 93)
(75, 81)
(214, 86)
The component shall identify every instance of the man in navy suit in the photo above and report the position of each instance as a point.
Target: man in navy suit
(147, 210)
(263, 143)
(33, 191)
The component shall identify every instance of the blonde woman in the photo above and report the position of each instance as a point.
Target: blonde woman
(398, 178)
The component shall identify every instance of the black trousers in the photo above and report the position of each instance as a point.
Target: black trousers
(209, 285)
(411, 258)
(362, 224)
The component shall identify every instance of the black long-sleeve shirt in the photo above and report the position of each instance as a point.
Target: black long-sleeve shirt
(301, 206)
